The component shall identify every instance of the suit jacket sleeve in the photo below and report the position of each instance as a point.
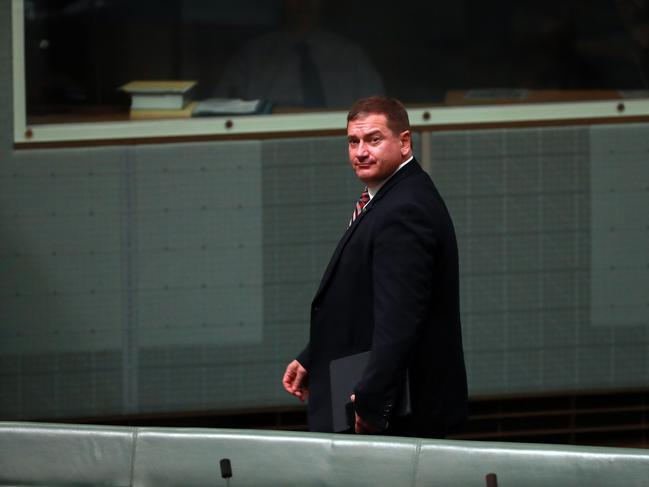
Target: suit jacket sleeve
(403, 264)
(304, 356)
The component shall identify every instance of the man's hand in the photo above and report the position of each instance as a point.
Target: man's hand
(361, 426)
(295, 380)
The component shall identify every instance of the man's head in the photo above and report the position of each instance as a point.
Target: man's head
(378, 136)
(302, 16)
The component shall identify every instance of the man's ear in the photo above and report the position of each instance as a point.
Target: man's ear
(405, 140)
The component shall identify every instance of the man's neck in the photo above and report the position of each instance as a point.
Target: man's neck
(372, 189)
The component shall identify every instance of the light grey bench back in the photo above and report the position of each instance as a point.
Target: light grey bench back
(47, 454)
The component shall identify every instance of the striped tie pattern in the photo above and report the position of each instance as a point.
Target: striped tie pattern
(362, 201)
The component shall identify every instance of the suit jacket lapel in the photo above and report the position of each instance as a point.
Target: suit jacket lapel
(411, 168)
(339, 248)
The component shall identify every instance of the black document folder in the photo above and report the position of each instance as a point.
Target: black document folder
(345, 373)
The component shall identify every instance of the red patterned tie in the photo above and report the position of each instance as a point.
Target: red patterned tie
(362, 201)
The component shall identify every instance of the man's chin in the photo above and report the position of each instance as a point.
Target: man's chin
(366, 175)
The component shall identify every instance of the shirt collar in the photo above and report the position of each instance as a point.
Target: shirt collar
(372, 190)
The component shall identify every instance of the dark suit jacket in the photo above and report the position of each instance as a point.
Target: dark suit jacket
(392, 287)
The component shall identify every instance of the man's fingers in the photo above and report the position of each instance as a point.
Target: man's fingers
(363, 427)
(301, 392)
(358, 425)
(294, 380)
(288, 376)
(288, 380)
(299, 376)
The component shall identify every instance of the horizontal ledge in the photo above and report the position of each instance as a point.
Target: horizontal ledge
(326, 123)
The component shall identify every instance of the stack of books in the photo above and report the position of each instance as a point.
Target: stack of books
(169, 99)
(160, 99)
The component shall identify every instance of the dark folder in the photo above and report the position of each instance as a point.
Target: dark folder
(345, 373)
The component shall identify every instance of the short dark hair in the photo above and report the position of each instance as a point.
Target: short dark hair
(393, 109)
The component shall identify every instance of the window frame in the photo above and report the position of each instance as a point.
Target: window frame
(426, 118)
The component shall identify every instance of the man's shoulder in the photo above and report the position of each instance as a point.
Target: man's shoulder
(414, 195)
(413, 185)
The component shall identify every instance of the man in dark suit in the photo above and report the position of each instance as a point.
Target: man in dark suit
(391, 287)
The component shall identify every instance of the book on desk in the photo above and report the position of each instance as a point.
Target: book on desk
(158, 95)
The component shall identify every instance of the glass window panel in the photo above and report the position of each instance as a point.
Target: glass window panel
(316, 55)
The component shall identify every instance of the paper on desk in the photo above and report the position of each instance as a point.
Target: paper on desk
(228, 106)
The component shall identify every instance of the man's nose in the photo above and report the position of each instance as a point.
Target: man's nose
(361, 151)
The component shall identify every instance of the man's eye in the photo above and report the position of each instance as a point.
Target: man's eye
(375, 140)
